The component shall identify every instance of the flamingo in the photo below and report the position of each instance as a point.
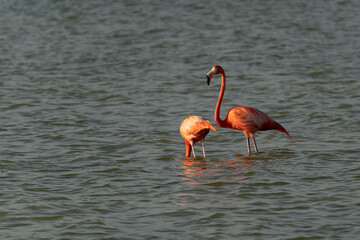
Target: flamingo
(247, 119)
(194, 129)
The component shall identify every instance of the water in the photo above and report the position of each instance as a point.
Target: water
(93, 94)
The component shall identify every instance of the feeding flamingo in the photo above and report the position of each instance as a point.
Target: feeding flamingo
(246, 119)
(194, 129)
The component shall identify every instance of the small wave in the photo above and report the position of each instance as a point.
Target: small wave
(19, 105)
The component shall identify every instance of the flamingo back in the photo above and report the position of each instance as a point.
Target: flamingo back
(194, 128)
(248, 119)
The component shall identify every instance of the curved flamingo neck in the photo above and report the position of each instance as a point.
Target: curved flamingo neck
(217, 119)
(188, 149)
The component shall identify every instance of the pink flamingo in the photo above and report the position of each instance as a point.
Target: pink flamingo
(194, 129)
(246, 119)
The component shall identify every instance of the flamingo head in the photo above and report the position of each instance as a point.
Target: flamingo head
(214, 71)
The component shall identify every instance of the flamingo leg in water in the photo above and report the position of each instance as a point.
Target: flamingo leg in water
(192, 146)
(248, 144)
(253, 139)
(203, 146)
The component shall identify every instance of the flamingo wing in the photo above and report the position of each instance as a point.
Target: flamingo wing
(251, 120)
(247, 119)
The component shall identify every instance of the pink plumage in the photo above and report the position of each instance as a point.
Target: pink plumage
(247, 119)
(194, 129)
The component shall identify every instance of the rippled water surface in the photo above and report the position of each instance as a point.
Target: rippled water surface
(92, 94)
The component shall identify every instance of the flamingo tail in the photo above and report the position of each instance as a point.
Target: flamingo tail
(209, 126)
(277, 126)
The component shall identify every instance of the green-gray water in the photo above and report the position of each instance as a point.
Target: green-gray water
(92, 94)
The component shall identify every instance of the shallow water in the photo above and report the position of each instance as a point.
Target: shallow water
(93, 94)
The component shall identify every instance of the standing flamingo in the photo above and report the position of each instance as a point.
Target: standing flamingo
(194, 129)
(246, 119)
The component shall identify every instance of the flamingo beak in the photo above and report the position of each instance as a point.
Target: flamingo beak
(209, 75)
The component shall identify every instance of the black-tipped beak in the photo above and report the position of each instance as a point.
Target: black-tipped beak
(208, 80)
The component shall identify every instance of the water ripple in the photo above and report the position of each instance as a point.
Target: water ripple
(93, 95)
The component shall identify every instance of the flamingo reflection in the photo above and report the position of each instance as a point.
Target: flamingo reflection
(216, 172)
(212, 174)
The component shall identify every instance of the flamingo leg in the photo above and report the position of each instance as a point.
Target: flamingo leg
(203, 146)
(253, 140)
(192, 146)
(248, 144)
